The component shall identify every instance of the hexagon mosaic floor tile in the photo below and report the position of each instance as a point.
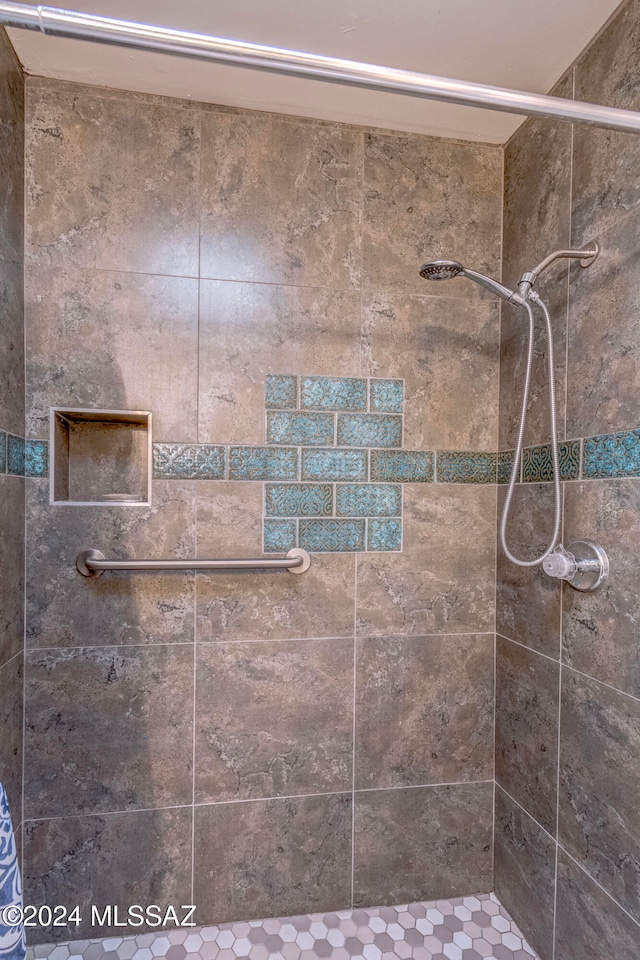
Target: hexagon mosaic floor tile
(466, 928)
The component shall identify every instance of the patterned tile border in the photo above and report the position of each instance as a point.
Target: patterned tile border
(298, 428)
(402, 466)
(188, 461)
(298, 500)
(461, 467)
(333, 393)
(332, 536)
(369, 430)
(15, 455)
(3, 452)
(462, 928)
(537, 462)
(612, 455)
(361, 394)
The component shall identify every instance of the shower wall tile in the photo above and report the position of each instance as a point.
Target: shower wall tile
(139, 857)
(332, 536)
(599, 759)
(368, 500)
(111, 184)
(11, 157)
(280, 200)
(524, 857)
(280, 392)
(612, 455)
(424, 710)
(11, 738)
(279, 536)
(273, 857)
(262, 463)
(384, 534)
(462, 467)
(447, 350)
(12, 334)
(600, 636)
(527, 729)
(15, 455)
(589, 924)
(12, 492)
(422, 842)
(444, 580)
(386, 396)
(259, 605)
(369, 430)
(408, 466)
(272, 747)
(334, 464)
(188, 461)
(106, 729)
(36, 458)
(528, 601)
(424, 199)
(68, 610)
(537, 462)
(505, 466)
(3, 452)
(313, 429)
(250, 330)
(333, 393)
(80, 353)
(298, 499)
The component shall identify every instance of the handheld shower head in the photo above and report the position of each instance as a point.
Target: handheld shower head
(447, 269)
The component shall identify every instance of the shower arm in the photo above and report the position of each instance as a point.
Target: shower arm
(586, 255)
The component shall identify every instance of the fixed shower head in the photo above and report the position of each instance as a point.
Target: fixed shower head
(447, 269)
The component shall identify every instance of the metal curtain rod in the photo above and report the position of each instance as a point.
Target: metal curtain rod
(92, 563)
(82, 26)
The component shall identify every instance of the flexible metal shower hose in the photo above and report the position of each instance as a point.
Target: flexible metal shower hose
(554, 438)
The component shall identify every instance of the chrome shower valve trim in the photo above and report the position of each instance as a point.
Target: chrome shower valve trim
(583, 564)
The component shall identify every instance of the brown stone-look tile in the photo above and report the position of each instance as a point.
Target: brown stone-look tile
(121, 859)
(524, 869)
(108, 728)
(12, 347)
(603, 374)
(447, 351)
(599, 760)
(527, 697)
(589, 925)
(11, 154)
(269, 605)
(422, 843)
(66, 609)
(111, 184)
(12, 492)
(11, 716)
(444, 580)
(424, 710)
(293, 733)
(280, 200)
(112, 340)
(528, 601)
(250, 330)
(600, 630)
(426, 199)
(268, 858)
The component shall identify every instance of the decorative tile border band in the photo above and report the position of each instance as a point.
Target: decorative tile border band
(23, 458)
(361, 394)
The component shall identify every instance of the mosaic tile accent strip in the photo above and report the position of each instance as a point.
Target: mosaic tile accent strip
(461, 467)
(328, 464)
(505, 465)
(15, 455)
(368, 500)
(464, 928)
(3, 452)
(612, 455)
(188, 461)
(537, 463)
(263, 463)
(333, 393)
(317, 429)
(279, 536)
(406, 466)
(332, 536)
(369, 430)
(299, 500)
(386, 396)
(384, 534)
(36, 458)
(281, 393)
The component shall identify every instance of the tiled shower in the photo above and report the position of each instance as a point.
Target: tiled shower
(414, 719)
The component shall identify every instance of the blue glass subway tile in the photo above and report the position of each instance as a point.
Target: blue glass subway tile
(36, 458)
(279, 536)
(188, 461)
(263, 463)
(368, 500)
(386, 396)
(310, 429)
(369, 430)
(537, 463)
(298, 500)
(384, 534)
(3, 452)
(333, 393)
(406, 466)
(15, 455)
(332, 536)
(505, 465)
(331, 464)
(281, 393)
(612, 455)
(462, 467)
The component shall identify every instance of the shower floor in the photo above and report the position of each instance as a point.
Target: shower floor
(465, 928)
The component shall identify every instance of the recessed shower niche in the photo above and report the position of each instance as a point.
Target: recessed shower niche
(100, 457)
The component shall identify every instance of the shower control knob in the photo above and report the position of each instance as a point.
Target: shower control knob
(584, 565)
(560, 564)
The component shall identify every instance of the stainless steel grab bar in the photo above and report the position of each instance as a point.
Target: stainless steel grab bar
(92, 563)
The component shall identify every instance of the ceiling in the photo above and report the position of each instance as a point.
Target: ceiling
(506, 43)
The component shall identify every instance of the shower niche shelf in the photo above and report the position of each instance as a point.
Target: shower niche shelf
(100, 457)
